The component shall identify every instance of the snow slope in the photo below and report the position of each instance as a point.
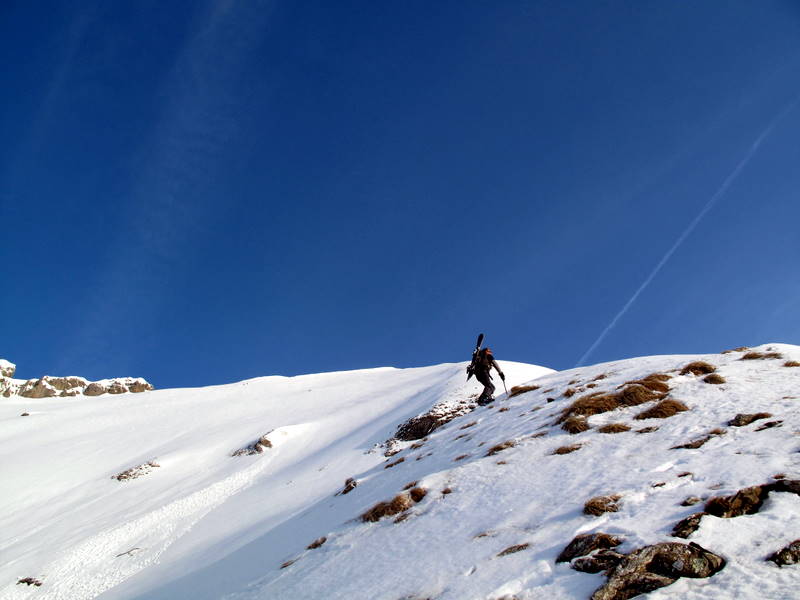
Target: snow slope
(206, 525)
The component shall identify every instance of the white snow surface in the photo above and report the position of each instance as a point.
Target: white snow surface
(205, 525)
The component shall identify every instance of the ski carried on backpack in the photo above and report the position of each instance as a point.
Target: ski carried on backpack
(471, 367)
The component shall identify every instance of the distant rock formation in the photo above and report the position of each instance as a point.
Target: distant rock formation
(6, 368)
(48, 386)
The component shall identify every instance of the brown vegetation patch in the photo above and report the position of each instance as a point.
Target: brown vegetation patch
(694, 445)
(655, 382)
(663, 410)
(714, 378)
(567, 449)
(769, 425)
(395, 463)
(685, 474)
(288, 563)
(418, 493)
(739, 349)
(599, 377)
(461, 457)
(575, 425)
(650, 429)
(29, 581)
(657, 566)
(761, 355)
(416, 445)
(395, 506)
(789, 555)
(504, 409)
(513, 549)
(593, 404)
(317, 543)
(468, 425)
(533, 436)
(583, 544)
(500, 447)
(743, 419)
(614, 428)
(698, 367)
(569, 392)
(691, 501)
(137, 471)
(409, 485)
(601, 504)
(521, 389)
(446, 491)
(791, 363)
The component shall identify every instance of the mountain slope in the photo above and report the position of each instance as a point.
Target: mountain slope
(504, 486)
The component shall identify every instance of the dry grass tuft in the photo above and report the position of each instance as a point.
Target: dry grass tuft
(504, 409)
(395, 506)
(761, 355)
(446, 491)
(500, 447)
(569, 392)
(567, 449)
(655, 382)
(601, 504)
(317, 543)
(698, 367)
(714, 378)
(416, 445)
(513, 549)
(791, 363)
(739, 349)
(468, 425)
(575, 425)
(614, 428)
(460, 457)
(586, 406)
(743, 419)
(409, 485)
(521, 389)
(418, 493)
(636, 394)
(599, 377)
(662, 410)
(288, 563)
(395, 463)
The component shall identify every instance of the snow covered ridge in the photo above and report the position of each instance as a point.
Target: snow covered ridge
(48, 386)
(676, 476)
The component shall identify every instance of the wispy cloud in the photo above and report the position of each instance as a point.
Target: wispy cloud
(198, 123)
(726, 184)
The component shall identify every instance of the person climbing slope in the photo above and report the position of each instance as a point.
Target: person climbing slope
(482, 364)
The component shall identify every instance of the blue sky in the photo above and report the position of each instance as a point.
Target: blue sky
(203, 192)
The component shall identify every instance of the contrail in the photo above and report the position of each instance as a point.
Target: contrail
(709, 205)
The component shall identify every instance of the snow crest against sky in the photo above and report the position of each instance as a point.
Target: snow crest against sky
(200, 194)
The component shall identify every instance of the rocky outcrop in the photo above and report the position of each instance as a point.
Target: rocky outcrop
(7, 368)
(50, 387)
(583, 544)
(790, 555)
(657, 566)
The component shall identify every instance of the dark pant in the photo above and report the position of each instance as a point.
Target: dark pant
(488, 387)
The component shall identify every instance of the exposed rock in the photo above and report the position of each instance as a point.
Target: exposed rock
(602, 560)
(256, 447)
(656, 566)
(7, 369)
(29, 581)
(691, 501)
(743, 419)
(790, 555)
(686, 527)
(583, 544)
(94, 389)
(49, 386)
(317, 543)
(137, 471)
(769, 425)
(37, 388)
(418, 427)
(746, 501)
(349, 485)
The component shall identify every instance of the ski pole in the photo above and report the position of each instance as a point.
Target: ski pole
(505, 388)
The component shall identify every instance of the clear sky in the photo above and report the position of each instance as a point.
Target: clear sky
(204, 192)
